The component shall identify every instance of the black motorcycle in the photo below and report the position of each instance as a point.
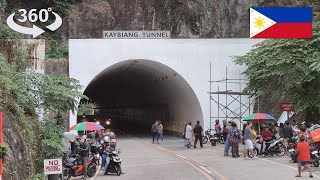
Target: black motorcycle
(115, 163)
(207, 136)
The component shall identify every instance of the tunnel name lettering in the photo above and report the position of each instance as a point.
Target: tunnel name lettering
(136, 34)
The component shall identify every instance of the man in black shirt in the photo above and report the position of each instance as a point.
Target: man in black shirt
(83, 149)
(288, 135)
(287, 131)
(198, 134)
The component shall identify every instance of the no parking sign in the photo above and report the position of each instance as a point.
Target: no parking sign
(52, 166)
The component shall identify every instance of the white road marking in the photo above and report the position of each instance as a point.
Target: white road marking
(205, 169)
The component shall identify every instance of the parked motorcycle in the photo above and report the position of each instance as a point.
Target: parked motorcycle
(208, 135)
(272, 147)
(115, 163)
(73, 166)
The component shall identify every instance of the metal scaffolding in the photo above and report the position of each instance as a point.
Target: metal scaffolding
(231, 105)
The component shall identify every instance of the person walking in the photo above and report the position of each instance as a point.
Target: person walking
(198, 134)
(248, 139)
(154, 130)
(303, 150)
(188, 134)
(234, 139)
(160, 130)
(184, 135)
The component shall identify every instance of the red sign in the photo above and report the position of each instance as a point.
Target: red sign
(286, 106)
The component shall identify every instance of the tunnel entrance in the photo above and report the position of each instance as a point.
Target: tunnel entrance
(135, 93)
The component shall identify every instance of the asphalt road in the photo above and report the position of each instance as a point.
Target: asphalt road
(170, 160)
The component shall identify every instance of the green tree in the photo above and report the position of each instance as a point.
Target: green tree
(287, 67)
(25, 92)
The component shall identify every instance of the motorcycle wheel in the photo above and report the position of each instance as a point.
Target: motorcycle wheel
(92, 169)
(255, 153)
(118, 169)
(204, 139)
(315, 161)
(281, 151)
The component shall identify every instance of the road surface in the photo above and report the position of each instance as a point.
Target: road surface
(170, 160)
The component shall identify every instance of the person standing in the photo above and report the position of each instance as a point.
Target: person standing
(227, 142)
(248, 139)
(234, 139)
(281, 130)
(188, 134)
(198, 134)
(154, 131)
(303, 150)
(84, 151)
(217, 128)
(288, 135)
(160, 131)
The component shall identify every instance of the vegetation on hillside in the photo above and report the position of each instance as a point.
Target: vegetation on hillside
(29, 98)
(287, 67)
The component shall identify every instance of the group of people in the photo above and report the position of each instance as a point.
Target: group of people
(157, 131)
(188, 133)
(82, 144)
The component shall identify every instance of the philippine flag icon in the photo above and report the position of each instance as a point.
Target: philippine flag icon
(281, 22)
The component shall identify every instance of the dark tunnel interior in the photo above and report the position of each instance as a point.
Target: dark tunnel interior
(135, 93)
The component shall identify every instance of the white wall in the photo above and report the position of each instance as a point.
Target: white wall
(188, 57)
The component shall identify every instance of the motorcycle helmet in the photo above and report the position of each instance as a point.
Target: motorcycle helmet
(106, 139)
(112, 135)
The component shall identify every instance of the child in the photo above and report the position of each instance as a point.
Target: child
(303, 149)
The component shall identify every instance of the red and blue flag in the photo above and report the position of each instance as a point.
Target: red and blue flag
(281, 22)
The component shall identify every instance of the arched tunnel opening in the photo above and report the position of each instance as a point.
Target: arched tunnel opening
(135, 93)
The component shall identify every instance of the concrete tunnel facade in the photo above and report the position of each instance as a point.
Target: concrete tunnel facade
(154, 79)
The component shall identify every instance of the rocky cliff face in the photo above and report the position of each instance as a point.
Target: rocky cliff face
(15, 164)
(184, 18)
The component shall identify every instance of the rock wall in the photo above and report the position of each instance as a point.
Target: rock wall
(185, 19)
(56, 66)
(15, 164)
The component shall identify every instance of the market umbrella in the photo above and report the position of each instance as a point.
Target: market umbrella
(259, 117)
(86, 126)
